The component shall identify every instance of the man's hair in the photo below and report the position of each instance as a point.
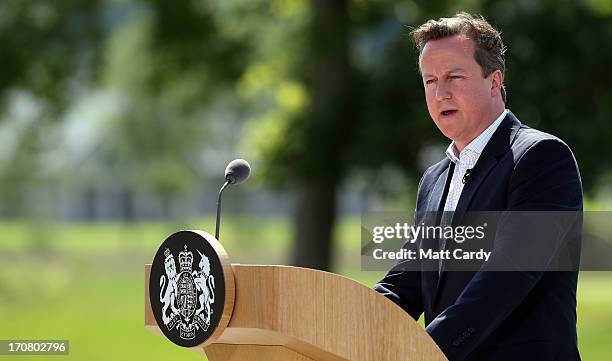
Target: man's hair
(490, 49)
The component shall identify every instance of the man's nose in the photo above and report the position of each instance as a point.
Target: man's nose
(442, 92)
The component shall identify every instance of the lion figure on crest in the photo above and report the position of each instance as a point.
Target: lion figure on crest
(168, 296)
(205, 283)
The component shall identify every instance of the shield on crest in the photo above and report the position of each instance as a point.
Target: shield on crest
(187, 294)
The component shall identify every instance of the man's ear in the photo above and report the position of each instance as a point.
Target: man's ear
(497, 80)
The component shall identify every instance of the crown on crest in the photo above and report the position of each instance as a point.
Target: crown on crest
(185, 259)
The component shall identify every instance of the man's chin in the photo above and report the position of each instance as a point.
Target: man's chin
(451, 134)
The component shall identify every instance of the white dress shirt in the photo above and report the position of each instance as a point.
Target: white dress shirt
(467, 159)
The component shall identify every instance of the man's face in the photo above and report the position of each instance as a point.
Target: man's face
(460, 100)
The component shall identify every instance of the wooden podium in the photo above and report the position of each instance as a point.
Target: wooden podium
(298, 314)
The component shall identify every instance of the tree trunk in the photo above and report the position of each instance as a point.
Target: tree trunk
(90, 201)
(329, 123)
(314, 221)
(126, 204)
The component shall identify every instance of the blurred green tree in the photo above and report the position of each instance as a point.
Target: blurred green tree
(163, 63)
(167, 65)
(42, 42)
(331, 88)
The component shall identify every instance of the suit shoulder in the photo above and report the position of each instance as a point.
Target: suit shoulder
(526, 137)
(532, 140)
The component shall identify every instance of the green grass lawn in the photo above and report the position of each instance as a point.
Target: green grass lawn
(88, 284)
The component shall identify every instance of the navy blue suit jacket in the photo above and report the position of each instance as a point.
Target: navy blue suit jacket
(496, 315)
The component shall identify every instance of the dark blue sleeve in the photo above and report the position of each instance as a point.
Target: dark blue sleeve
(403, 288)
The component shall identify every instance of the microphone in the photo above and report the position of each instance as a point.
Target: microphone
(236, 172)
(468, 175)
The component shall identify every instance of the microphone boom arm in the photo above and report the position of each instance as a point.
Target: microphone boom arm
(227, 182)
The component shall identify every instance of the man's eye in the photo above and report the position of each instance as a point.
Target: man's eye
(455, 77)
(429, 81)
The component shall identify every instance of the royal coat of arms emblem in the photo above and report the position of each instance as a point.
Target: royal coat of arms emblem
(188, 290)
(186, 296)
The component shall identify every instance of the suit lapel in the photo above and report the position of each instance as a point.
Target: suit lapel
(434, 203)
(481, 171)
(498, 145)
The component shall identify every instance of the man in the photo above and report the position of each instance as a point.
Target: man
(494, 163)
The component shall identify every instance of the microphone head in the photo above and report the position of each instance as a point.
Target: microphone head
(237, 171)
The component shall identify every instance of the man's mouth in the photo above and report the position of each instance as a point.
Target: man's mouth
(446, 113)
